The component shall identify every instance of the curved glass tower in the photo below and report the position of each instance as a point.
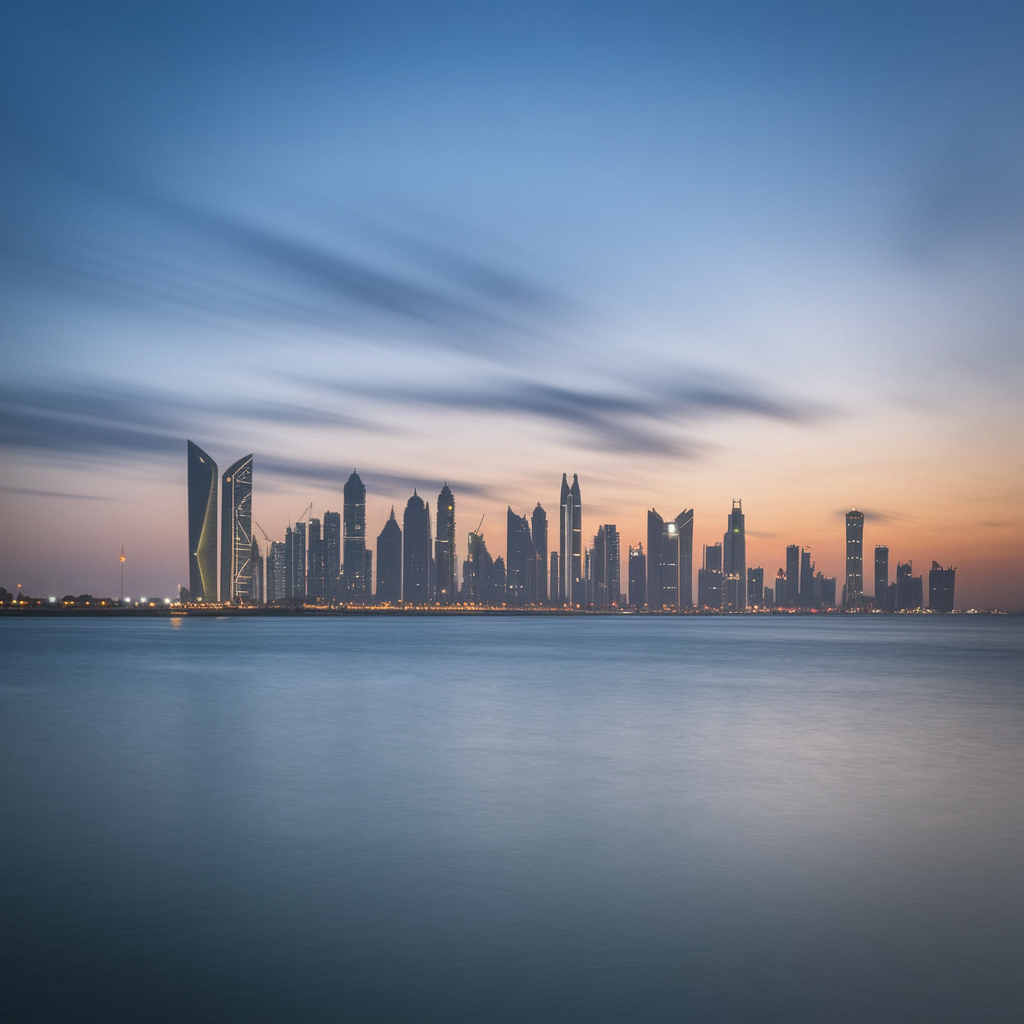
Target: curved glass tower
(236, 532)
(202, 524)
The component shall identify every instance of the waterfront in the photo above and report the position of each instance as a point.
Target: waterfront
(498, 818)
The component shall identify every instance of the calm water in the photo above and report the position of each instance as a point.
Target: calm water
(512, 819)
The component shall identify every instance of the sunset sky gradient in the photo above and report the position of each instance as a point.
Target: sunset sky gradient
(692, 253)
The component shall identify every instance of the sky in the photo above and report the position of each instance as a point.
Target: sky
(691, 253)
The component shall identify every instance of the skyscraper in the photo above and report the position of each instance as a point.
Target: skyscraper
(909, 588)
(277, 572)
(806, 580)
(354, 541)
(521, 561)
(940, 587)
(669, 561)
(881, 578)
(315, 590)
(755, 587)
(202, 525)
(570, 533)
(734, 555)
(236, 532)
(479, 571)
(539, 521)
(710, 579)
(637, 577)
(295, 559)
(854, 558)
(416, 552)
(389, 562)
(792, 577)
(332, 556)
(605, 567)
(446, 586)
(257, 574)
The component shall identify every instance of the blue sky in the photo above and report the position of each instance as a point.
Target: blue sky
(692, 253)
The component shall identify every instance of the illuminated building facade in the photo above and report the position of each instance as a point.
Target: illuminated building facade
(854, 558)
(570, 540)
(202, 525)
(734, 558)
(446, 585)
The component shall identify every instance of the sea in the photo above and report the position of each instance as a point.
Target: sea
(512, 818)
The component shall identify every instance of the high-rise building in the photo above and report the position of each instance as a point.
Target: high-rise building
(806, 580)
(605, 569)
(332, 556)
(734, 556)
(236, 532)
(314, 561)
(554, 578)
(669, 561)
(369, 574)
(389, 562)
(909, 588)
(354, 539)
(881, 578)
(521, 561)
(479, 568)
(446, 586)
(755, 587)
(539, 522)
(416, 551)
(295, 557)
(854, 559)
(570, 560)
(710, 578)
(769, 597)
(792, 576)
(637, 577)
(277, 572)
(202, 525)
(940, 587)
(257, 574)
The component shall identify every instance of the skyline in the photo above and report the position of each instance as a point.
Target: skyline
(696, 255)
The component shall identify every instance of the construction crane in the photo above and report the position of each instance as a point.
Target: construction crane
(480, 527)
(309, 511)
(264, 532)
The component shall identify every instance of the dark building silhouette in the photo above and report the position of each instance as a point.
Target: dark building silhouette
(295, 561)
(369, 574)
(314, 561)
(202, 525)
(498, 582)
(824, 591)
(389, 562)
(792, 599)
(539, 522)
(669, 561)
(521, 561)
(605, 568)
(479, 572)
(710, 578)
(909, 588)
(755, 587)
(257, 574)
(332, 556)
(637, 577)
(940, 587)
(554, 578)
(769, 597)
(445, 586)
(806, 580)
(236, 532)
(854, 559)
(416, 552)
(570, 531)
(882, 578)
(354, 539)
(734, 557)
(277, 572)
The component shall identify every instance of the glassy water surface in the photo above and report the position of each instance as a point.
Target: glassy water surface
(508, 819)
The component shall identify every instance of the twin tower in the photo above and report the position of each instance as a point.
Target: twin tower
(237, 554)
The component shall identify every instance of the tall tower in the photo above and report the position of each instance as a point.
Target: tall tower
(539, 521)
(521, 561)
(389, 562)
(570, 539)
(236, 568)
(332, 556)
(881, 577)
(416, 552)
(444, 547)
(792, 597)
(854, 558)
(202, 525)
(354, 547)
(734, 553)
